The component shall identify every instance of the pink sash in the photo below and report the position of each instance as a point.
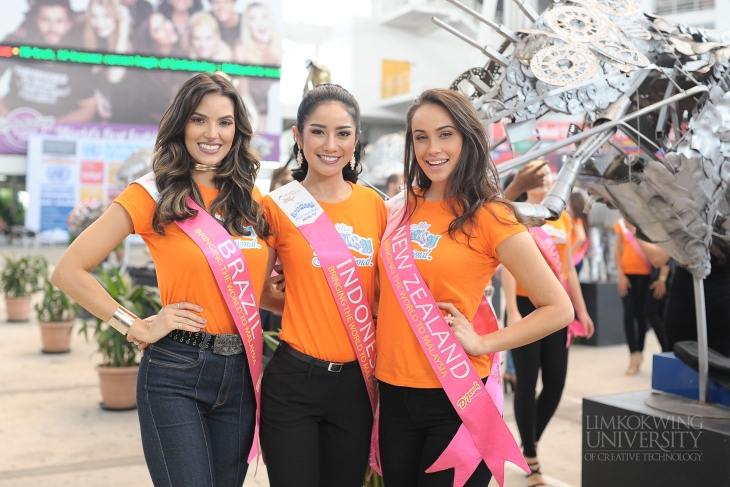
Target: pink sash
(550, 251)
(629, 237)
(343, 278)
(578, 256)
(483, 434)
(234, 282)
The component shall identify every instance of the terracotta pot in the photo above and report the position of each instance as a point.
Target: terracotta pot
(18, 308)
(118, 387)
(56, 336)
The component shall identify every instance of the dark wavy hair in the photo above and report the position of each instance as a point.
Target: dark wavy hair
(165, 8)
(234, 178)
(328, 93)
(474, 181)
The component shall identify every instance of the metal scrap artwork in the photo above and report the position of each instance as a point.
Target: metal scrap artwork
(664, 84)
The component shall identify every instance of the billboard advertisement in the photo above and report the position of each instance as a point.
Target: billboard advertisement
(87, 67)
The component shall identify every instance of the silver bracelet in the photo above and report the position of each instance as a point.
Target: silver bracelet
(122, 320)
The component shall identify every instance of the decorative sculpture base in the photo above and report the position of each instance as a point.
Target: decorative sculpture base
(669, 374)
(627, 443)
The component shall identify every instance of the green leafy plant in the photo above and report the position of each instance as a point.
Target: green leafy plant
(143, 301)
(22, 276)
(56, 306)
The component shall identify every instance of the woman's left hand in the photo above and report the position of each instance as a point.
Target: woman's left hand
(587, 323)
(463, 330)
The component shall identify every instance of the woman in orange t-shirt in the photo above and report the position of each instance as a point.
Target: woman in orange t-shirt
(195, 398)
(461, 229)
(549, 354)
(634, 279)
(316, 417)
(579, 236)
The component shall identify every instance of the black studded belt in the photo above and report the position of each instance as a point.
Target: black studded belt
(219, 344)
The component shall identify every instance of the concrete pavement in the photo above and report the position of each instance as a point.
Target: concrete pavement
(53, 432)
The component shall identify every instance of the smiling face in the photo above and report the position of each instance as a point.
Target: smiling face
(437, 142)
(203, 40)
(101, 20)
(210, 130)
(162, 30)
(259, 23)
(328, 139)
(53, 23)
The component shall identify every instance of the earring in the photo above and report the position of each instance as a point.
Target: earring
(353, 162)
(300, 157)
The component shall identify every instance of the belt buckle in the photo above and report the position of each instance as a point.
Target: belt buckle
(227, 345)
(334, 367)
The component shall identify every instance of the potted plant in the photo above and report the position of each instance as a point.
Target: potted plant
(19, 279)
(56, 316)
(118, 370)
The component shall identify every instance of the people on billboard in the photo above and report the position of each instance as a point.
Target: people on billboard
(259, 42)
(228, 20)
(205, 39)
(180, 11)
(53, 89)
(139, 10)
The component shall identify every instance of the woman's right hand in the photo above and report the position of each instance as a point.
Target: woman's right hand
(178, 316)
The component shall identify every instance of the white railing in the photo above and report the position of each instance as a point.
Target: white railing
(388, 6)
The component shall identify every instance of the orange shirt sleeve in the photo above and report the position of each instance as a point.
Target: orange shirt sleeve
(631, 262)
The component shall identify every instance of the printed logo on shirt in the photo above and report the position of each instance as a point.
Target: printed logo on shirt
(356, 243)
(248, 242)
(425, 239)
(557, 234)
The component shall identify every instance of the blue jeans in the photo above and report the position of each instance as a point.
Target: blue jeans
(197, 412)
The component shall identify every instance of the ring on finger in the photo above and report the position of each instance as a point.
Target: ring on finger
(178, 325)
(178, 305)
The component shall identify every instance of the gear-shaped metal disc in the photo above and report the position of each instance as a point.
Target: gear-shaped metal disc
(574, 23)
(564, 64)
(622, 52)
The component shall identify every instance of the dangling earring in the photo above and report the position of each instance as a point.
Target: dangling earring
(300, 157)
(352, 162)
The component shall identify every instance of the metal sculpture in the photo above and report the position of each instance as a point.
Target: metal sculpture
(664, 84)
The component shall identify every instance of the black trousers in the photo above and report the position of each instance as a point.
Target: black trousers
(549, 354)
(416, 426)
(315, 424)
(635, 311)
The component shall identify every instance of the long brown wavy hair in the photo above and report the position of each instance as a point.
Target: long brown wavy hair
(234, 178)
(474, 181)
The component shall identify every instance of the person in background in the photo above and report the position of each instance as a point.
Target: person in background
(180, 11)
(259, 42)
(394, 184)
(228, 20)
(656, 303)
(579, 237)
(205, 39)
(280, 177)
(634, 272)
(58, 89)
(547, 357)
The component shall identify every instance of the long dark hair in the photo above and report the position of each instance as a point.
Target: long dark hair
(474, 181)
(234, 177)
(328, 93)
(578, 207)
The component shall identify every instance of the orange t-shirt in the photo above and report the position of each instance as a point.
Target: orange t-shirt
(631, 263)
(455, 271)
(559, 230)
(311, 322)
(577, 222)
(183, 273)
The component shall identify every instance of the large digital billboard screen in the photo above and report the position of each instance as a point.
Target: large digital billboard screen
(86, 66)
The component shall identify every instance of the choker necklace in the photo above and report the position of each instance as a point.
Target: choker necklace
(203, 167)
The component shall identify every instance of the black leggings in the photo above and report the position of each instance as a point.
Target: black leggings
(635, 311)
(416, 426)
(315, 424)
(549, 354)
